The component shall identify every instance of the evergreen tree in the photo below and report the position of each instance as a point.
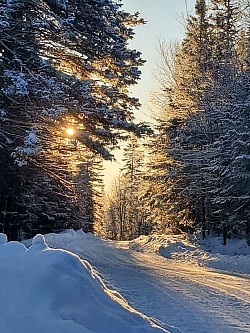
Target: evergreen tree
(126, 209)
(133, 173)
(205, 124)
(180, 125)
(63, 63)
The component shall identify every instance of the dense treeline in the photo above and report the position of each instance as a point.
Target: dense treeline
(67, 65)
(63, 63)
(197, 174)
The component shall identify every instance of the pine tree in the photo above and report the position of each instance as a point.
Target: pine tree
(127, 214)
(205, 154)
(133, 177)
(181, 124)
(64, 63)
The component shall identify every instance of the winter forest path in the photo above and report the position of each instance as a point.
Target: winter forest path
(185, 298)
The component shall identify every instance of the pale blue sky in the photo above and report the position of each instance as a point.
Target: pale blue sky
(164, 22)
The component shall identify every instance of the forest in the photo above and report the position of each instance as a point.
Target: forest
(66, 68)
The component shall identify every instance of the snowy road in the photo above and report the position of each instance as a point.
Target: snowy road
(183, 297)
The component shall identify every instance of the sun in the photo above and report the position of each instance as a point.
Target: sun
(70, 131)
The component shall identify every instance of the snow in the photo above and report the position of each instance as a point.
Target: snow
(242, 157)
(2, 113)
(3, 239)
(31, 147)
(62, 4)
(31, 138)
(178, 293)
(45, 289)
(19, 86)
(39, 239)
(4, 24)
(54, 112)
(234, 257)
(52, 290)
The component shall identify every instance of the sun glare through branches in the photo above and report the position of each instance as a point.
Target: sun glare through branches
(70, 131)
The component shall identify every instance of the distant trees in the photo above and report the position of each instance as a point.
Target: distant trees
(62, 64)
(127, 214)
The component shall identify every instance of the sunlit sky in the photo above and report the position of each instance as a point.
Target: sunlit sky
(165, 19)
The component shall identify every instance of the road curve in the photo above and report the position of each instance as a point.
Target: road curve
(184, 297)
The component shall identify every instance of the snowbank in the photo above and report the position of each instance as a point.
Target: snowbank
(53, 291)
(234, 257)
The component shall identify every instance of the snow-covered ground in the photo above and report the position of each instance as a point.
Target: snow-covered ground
(44, 290)
(47, 290)
(234, 257)
(182, 295)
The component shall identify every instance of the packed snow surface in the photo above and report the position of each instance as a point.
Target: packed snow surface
(44, 290)
(57, 291)
(176, 290)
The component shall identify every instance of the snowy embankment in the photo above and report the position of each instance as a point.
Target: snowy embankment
(234, 257)
(48, 290)
(182, 296)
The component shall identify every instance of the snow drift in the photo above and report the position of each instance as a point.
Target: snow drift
(210, 252)
(52, 290)
(181, 295)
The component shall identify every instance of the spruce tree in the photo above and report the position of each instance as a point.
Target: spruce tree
(63, 63)
(205, 122)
